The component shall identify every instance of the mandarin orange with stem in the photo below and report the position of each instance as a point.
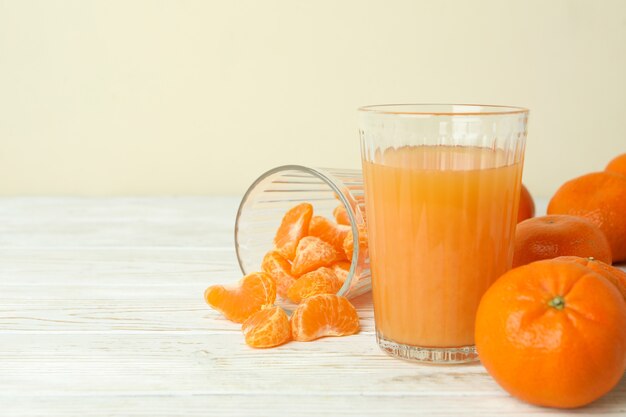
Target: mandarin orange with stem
(553, 333)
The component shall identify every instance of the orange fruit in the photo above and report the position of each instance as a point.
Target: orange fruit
(617, 164)
(320, 281)
(559, 235)
(341, 215)
(526, 205)
(312, 253)
(279, 269)
(329, 232)
(601, 198)
(341, 269)
(324, 315)
(553, 333)
(348, 243)
(267, 328)
(293, 227)
(238, 302)
(615, 275)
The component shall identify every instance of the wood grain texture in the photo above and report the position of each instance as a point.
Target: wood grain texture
(101, 314)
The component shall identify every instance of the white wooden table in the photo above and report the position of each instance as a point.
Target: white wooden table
(101, 313)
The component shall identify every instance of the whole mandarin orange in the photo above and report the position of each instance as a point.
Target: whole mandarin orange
(613, 274)
(601, 198)
(553, 333)
(555, 235)
(526, 205)
(617, 164)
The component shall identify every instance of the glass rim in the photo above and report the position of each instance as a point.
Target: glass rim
(429, 109)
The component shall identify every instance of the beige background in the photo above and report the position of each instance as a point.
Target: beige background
(199, 97)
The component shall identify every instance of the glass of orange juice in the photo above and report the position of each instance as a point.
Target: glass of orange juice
(442, 188)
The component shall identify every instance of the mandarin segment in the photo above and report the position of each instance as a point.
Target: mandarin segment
(329, 232)
(324, 315)
(553, 333)
(559, 235)
(267, 328)
(348, 243)
(293, 227)
(239, 301)
(341, 269)
(320, 281)
(312, 253)
(601, 198)
(341, 215)
(279, 269)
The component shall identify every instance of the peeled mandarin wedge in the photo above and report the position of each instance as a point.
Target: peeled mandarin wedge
(341, 269)
(279, 269)
(267, 328)
(320, 281)
(312, 253)
(341, 215)
(329, 232)
(293, 227)
(324, 315)
(348, 243)
(238, 302)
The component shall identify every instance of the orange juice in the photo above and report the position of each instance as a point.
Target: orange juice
(441, 221)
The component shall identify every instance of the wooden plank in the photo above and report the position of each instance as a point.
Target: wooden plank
(186, 364)
(136, 308)
(67, 366)
(74, 222)
(286, 404)
(183, 364)
(104, 267)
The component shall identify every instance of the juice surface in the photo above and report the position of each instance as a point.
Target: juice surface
(441, 221)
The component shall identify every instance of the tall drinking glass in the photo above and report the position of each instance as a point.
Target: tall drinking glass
(442, 190)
